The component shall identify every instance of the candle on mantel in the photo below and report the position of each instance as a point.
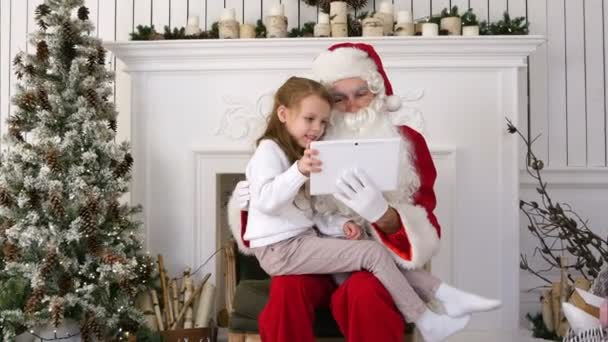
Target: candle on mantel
(228, 26)
(404, 17)
(405, 25)
(386, 7)
(193, 20)
(228, 14)
(323, 18)
(276, 22)
(277, 9)
(338, 11)
(430, 29)
(387, 16)
(322, 28)
(247, 31)
(192, 27)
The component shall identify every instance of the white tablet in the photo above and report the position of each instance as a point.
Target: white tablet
(379, 158)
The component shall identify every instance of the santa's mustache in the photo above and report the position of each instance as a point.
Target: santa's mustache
(360, 119)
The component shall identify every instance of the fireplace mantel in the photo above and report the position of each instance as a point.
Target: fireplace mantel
(408, 52)
(196, 107)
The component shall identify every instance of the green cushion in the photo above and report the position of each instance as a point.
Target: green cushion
(250, 298)
(249, 268)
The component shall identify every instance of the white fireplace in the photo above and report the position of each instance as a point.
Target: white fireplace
(197, 106)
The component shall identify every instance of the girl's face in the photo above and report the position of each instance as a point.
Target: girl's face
(306, 122)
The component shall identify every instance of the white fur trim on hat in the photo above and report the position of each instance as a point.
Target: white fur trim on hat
(331, 66)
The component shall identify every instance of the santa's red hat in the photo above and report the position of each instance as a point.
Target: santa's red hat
(347, 60)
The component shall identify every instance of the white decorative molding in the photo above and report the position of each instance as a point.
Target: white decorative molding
(568, 177)
(242, 118)
(209, 163)
(297, 54)
(443, 264)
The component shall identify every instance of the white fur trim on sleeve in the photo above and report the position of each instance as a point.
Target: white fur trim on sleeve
(421, 234)
(234, 222)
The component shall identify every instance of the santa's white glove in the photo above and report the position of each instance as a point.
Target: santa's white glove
(241, 191)
(359, 193)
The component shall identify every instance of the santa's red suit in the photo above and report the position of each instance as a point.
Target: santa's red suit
(360, 305)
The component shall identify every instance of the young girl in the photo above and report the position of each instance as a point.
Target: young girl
(281, 219)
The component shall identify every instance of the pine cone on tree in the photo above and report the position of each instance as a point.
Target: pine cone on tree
(6, 199)
(91, 97)
(89, 327)
(125, 166)
(113, 125)
(43, 99)
(57, 308)
(52, 159)
(27, 101)
(83, 13)
(67, 31)
(101, 55)
(91, 63)
(56, 204)
(42, 51)
(49, 262)
(34, 301)
(88, 214)
(10, 252)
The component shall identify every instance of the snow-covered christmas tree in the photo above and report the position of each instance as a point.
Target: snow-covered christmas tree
(69, 249)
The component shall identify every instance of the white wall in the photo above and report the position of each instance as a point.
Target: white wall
(567, 76)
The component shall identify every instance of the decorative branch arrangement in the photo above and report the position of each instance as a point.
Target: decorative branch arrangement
(559, 229)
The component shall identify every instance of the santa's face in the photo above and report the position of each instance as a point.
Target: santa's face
(351, 94)
(358, 113)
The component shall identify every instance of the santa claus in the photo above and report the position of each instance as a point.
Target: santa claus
(402, 220)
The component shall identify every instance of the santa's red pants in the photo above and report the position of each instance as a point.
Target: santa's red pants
(362, 307)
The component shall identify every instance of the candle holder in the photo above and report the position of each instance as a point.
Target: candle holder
(322, 28)
(228, 26)
(338, 12)
(276, 22)
(430, 29)
(192, 27)
(373, 27)
(453, 25)
(276, 26)
(405, 25)
(387, 15)
(247, 31)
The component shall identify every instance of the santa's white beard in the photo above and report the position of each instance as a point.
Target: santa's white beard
(371, 122)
